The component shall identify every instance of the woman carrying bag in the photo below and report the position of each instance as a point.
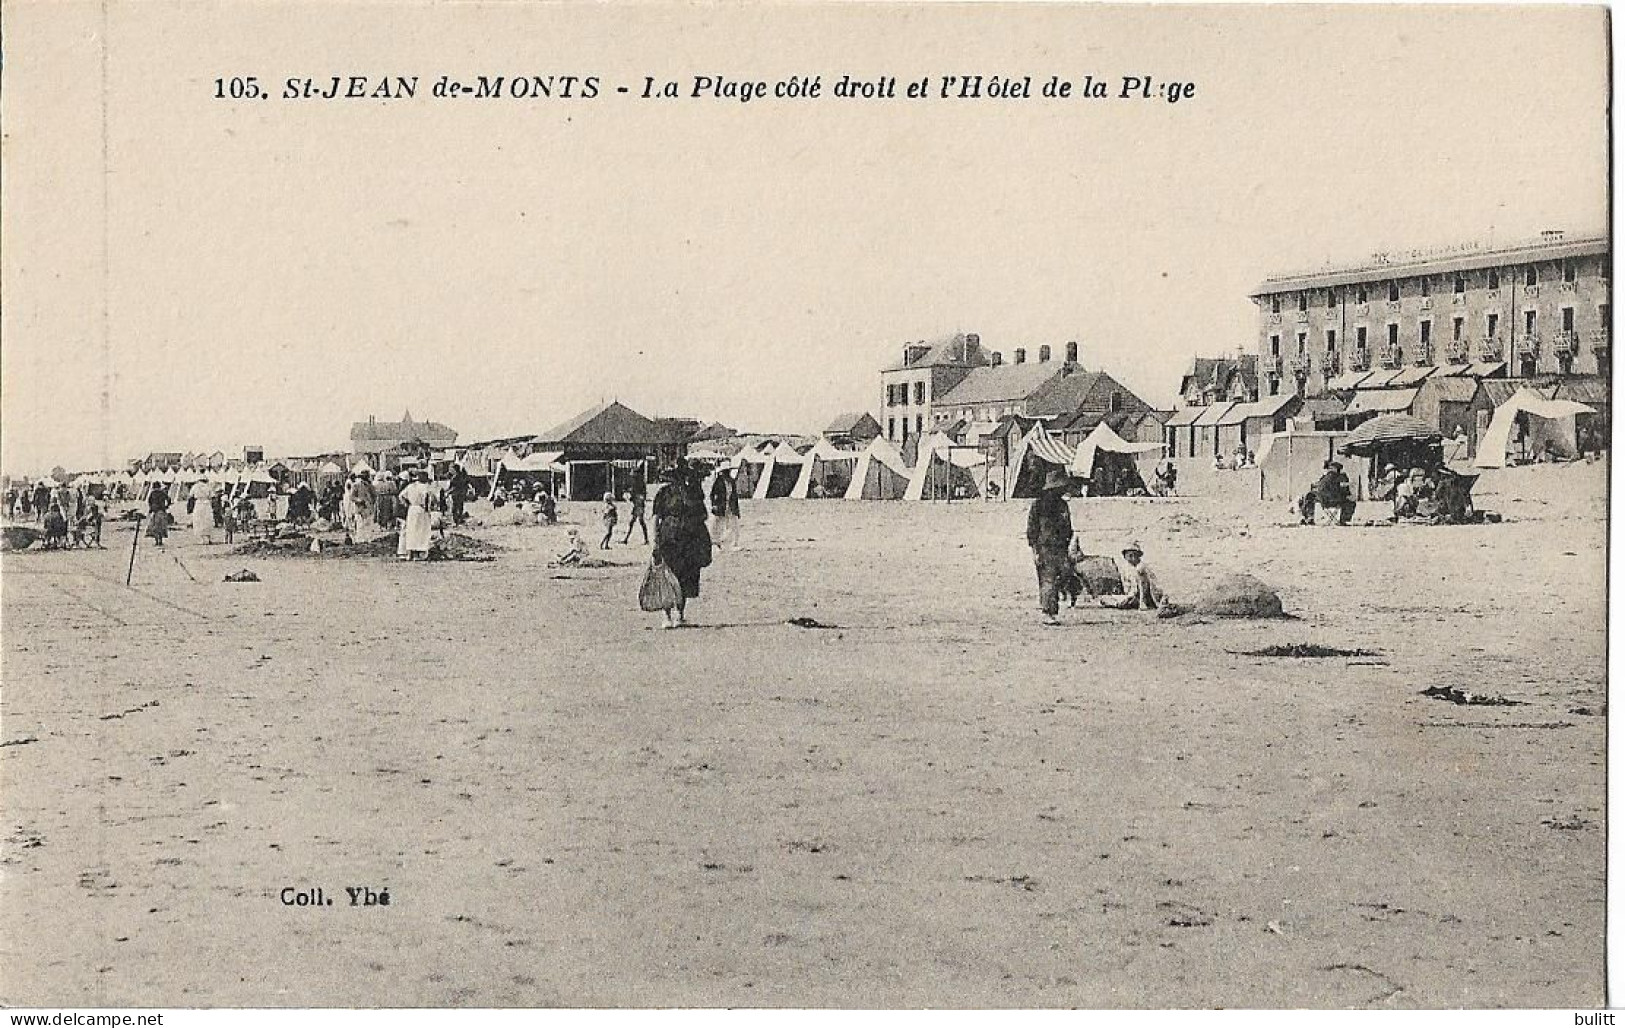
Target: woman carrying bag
(682, 546)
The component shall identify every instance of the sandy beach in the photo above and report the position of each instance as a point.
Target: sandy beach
(934, 802)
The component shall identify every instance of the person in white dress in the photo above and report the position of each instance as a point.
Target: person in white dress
(202, 497)
(415, 532)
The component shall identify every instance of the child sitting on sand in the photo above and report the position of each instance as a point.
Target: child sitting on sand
(575, 553)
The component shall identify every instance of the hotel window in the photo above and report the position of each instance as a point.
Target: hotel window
(919, 393)
(1461, 284)
(1427, 332)
(1528, 323)
(1531, 276)
(1331, 299)
(1359, 338)
(1303, 301)
(1275, 305)
(1393, 291)
(1568, 271)
(1303, 343)
(1331, 340)
(1568, 319)
(1491, 323)
(1455, 329)
(1393, 336)
(1275, 346)
(1427, 286)
(891, 428)
(1494, 282)
(1360, 295)
(919, 424)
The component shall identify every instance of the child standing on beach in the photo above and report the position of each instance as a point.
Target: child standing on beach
(611, 515)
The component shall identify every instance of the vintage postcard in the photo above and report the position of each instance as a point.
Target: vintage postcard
(805, 505)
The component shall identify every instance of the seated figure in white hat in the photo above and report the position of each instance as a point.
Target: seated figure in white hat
(1141, 591)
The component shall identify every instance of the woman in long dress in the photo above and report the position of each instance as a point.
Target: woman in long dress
(682, 542)
(202, 496)
(414, 539)
(362, 501)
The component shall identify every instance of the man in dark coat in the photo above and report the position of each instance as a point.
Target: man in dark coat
(1049, 533)
(1332, 492)
(458, 489)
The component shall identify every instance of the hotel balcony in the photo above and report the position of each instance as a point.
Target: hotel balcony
(1391, 358)
(1299, 365)
(1566, 342)
(1424, 353)
(1599, 341)
(1489, 349)
(1361, 361)
(1331, 365)
(1270, 365)
(1529, 345)
(1455, 351)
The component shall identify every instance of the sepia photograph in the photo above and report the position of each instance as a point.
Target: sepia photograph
(804, 505)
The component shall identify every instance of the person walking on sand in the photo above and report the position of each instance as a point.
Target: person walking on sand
(639, 499)
(202, 497)
(1141, 590)
(682, 542)
(158, 511)
(725, 509)
(1049, 533)
(610, 516)
(415, 531)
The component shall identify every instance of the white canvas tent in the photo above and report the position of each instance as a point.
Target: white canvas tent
(880, 474)
(779, 473)
(945, 471)
(1109, 462)
(828, 465)
(751, 462)
(1531, 425)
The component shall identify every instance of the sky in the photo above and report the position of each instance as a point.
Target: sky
(187, 273)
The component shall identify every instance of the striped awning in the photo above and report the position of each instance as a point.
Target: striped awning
(1047, 447)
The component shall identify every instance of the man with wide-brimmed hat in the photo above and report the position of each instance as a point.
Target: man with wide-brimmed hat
(1049, 533)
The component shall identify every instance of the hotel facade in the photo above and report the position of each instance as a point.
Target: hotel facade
(1535, 309)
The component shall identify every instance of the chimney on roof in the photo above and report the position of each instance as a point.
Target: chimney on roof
(372, 419)
(998, 358)
(1021, 355)
(1043, 354)
(1072, 352)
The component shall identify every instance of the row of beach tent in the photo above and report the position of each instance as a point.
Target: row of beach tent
(942, 469)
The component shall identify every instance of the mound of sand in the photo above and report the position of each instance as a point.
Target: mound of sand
(1238, 596)
(1100, 575)
(455, 546)
(16, 537)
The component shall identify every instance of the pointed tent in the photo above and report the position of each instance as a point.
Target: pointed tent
(945, 471)
(1110, 463)
(779, 474)
(1548, 426)
(751, 462)
(880, 473)
(1035, 456)
(828, 465)
(360, 466)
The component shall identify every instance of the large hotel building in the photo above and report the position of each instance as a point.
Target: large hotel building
(1534, 309)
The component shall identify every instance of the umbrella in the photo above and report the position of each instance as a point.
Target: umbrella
(1388, 428)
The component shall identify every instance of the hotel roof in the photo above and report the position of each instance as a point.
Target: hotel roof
(1525, 253)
